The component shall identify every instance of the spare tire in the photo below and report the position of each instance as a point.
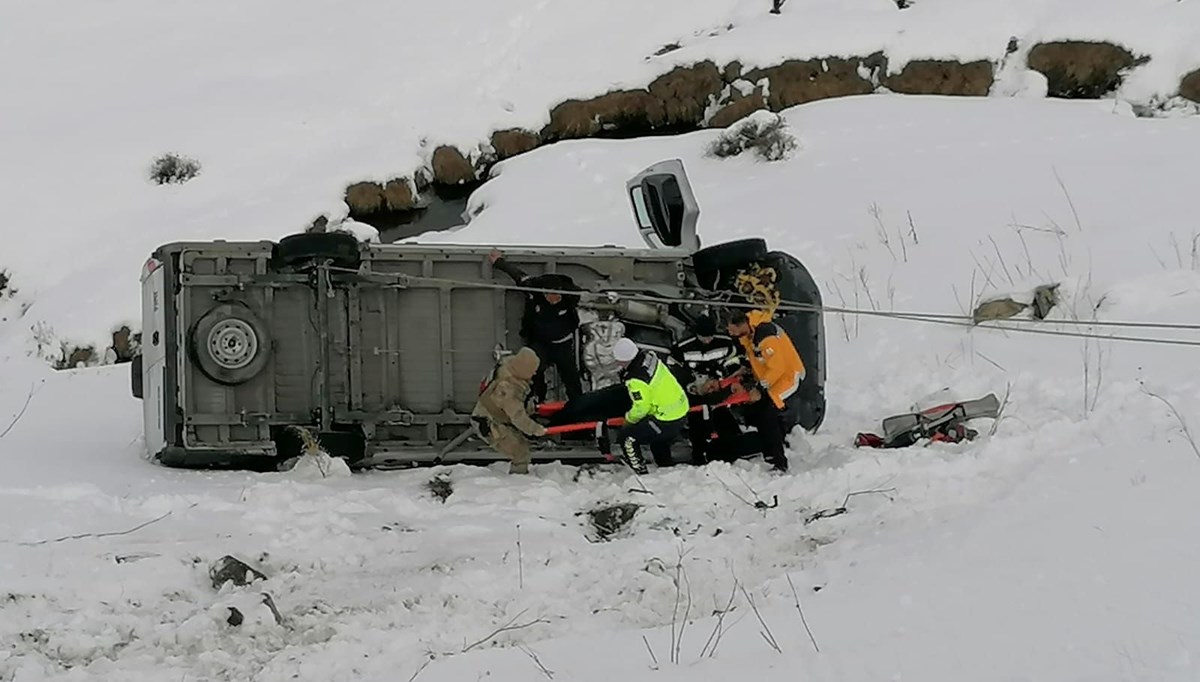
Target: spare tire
(715, 264)
(340, 248)
(136, 380)
(230, 344)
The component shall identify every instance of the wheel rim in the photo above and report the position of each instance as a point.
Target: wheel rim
(232, 343)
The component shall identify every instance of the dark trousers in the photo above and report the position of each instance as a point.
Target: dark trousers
(562, 357)
(700, 430)
(605, 403)
(764, 416)
(657, 434)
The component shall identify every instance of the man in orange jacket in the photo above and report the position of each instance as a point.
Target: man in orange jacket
(779, 370)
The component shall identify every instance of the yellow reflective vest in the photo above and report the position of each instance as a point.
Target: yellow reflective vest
(653, 390)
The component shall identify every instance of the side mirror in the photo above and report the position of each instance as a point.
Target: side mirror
(664, 206)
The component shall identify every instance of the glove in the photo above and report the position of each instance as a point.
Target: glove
(541, 432)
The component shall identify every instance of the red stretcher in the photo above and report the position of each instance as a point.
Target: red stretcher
(548, 409)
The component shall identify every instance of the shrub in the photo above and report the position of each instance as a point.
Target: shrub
(764, 132)
(74, 356)
(5, 284)
(173, 169)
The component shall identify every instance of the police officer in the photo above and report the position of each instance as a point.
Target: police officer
(659, 405)
(778, 370)
(548, 324)
(700, 362)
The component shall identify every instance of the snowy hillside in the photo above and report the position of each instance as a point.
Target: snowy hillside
(1053, 548)
(1059, 546)
(285, 104)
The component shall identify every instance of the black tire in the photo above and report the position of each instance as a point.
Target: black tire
(135, 377)
(715, 264)
(310, 247)
(230, 344)
(807, 331)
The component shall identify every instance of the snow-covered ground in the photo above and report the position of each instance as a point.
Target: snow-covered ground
(286, 103)
(1057, 547)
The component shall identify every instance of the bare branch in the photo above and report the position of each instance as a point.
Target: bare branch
(680, 578)
(1020, 226)
(1099, 374)
(652, 656)
(1087, 366)
(974, 298)
(876, 491)
(758, 502)
(507, 627)
(428, 660)
(1187, 433)
(520, 561)
(673, 652)
(715, 637)
(1064, 258)
(731, 491)
(987, 274)
(1000, 257)
(1000, 413)
(536, 661)
(1031, 271)
(82, 536)
(877, 214)
(958, 300)
(802, 618)
(766, 631)
(844, 508)
(913, 228)
(842, 316)
(20, 414)
(857, 318)
(862, 276)
(990, 361)
(1070, 202)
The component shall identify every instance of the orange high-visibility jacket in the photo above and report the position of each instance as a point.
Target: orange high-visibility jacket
(773, 357)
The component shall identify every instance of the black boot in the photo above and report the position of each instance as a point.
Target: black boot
(631, 452)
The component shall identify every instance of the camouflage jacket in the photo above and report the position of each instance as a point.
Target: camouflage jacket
(503, 401)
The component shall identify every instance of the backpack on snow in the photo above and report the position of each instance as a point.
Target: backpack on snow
(942, 423)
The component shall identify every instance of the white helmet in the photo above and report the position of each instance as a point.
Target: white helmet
(625, 350)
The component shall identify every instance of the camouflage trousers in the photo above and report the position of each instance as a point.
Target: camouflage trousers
(508, 441)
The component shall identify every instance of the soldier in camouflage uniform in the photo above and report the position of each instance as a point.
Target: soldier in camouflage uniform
(501, 415)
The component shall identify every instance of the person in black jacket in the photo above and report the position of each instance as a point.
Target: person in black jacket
(548, 324)
(700, 362)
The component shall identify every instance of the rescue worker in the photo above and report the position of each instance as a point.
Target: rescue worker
(548, 324)
(659, 405)
(700, 362)
(777, 367)
(500, 414)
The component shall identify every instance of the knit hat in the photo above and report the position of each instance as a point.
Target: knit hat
(704, 325)
(625, 350)
(524, 364)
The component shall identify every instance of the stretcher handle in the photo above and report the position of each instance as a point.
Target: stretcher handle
(735, 399)
(553, 407)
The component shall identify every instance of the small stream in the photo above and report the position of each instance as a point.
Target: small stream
(444, 210)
